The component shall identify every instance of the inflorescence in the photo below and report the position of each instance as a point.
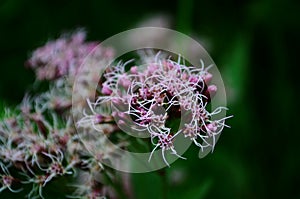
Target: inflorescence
(147, 97)
(38, 139)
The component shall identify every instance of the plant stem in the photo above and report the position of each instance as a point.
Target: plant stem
(164, 180)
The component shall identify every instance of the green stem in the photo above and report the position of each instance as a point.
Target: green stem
(164, 179)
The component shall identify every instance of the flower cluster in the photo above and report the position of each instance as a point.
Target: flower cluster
(60, 60)
(148, 97)
(64, 56)
(38, 139)
(35, 143)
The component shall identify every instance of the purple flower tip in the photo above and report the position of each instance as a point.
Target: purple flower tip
(106, 90)
(212, 89)
(134, 70)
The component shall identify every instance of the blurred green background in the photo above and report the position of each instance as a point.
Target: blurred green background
(255, 45)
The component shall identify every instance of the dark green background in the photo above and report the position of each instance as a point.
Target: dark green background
(255, 44)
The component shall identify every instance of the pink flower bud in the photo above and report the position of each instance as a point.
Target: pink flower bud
(106, 90)
(212, 89)
(211, 127)
(98, 118)
(125, 82)
(134, 70)
(207, 78)
(193, 79)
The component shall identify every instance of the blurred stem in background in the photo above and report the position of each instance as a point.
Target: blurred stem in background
(165, 183)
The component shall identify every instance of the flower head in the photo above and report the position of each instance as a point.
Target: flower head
(161, 90)
(64, 56)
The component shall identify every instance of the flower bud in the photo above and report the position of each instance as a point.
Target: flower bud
(134, 70)
(207, 78)
(106, 90)
(211, 127)
(212, 89)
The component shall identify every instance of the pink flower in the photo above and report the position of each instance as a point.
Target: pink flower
(160, 92)
(64, 56)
